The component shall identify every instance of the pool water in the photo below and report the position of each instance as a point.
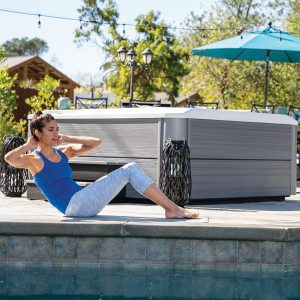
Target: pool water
(19, 282)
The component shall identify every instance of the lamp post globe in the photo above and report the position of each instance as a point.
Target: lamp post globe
(122, 53)
(147, 56)
(131, 55)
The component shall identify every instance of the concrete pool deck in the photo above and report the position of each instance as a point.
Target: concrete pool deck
(274, 221)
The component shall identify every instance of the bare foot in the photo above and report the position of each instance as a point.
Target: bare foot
(181, 212)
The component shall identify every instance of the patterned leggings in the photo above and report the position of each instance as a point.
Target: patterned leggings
(89, 201)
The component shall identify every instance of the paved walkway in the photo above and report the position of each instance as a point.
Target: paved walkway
(259, 214)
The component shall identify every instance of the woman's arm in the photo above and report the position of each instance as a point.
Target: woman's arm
(84, 144)
(17, 157)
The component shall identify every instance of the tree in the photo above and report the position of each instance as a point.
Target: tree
(169, 61)
(285, 77)
(8, 102)
(291, 72)
(234, 83)
(45, 98)
(166, 68)
(99, 22)
(293, 18)
(25, 47)
(239, 83)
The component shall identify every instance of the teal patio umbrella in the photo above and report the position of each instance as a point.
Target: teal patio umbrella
(267, 45)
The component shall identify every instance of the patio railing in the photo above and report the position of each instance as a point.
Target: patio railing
(139, 103)
(212, 105)
(261, 108)
(83, 102)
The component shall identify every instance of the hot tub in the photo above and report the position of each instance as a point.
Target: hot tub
(234, 154)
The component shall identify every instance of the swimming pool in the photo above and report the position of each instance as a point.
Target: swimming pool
(108, 282)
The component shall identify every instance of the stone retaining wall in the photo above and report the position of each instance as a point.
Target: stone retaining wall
(149, 253)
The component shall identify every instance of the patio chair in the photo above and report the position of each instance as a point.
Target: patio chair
(261, 108)
(140, 103)
(195, 104)
(294, 112)
(84, 102)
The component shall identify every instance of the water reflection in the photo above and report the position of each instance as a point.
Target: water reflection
(119, 283)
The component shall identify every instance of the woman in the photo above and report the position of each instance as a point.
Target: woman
(49, 167)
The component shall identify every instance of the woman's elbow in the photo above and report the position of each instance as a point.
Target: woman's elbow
(10, 160)
(98, 143)
(7, 158)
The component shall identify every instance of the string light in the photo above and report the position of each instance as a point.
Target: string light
(106, 23)
(39, 22)
(190, 28)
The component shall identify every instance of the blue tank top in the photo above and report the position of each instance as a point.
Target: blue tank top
(55, 181)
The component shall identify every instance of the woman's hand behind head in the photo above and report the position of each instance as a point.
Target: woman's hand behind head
(31, 143)
(61, 139)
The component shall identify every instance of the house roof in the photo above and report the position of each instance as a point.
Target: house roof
(183, 98)
(15, 60)
(36, 66)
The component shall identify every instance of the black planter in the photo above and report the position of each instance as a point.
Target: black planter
(12, 180)
(175, 176)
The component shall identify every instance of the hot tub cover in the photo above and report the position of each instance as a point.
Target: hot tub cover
(172, 112)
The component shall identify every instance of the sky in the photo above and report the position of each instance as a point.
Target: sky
(77, 62)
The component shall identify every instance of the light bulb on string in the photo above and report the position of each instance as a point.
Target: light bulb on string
(39, 22)
(221, 29)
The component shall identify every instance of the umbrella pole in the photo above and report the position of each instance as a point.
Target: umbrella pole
(267, 77)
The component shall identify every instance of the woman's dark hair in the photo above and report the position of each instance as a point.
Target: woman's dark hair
(39, 121)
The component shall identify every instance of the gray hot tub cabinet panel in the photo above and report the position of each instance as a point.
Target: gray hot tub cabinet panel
(121, 137)
(236, 178)
(239, 140)
(124, 140)
(150, 166)
(240, 159)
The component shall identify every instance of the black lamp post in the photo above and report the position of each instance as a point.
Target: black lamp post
(132, 63)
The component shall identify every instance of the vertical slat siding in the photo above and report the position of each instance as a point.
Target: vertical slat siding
(239, 140)
(121, 138)
(230, 178)
(239, 159)
(135, 140)
(293, 160)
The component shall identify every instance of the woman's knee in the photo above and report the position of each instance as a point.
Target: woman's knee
(132, 165)
(132, 168)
